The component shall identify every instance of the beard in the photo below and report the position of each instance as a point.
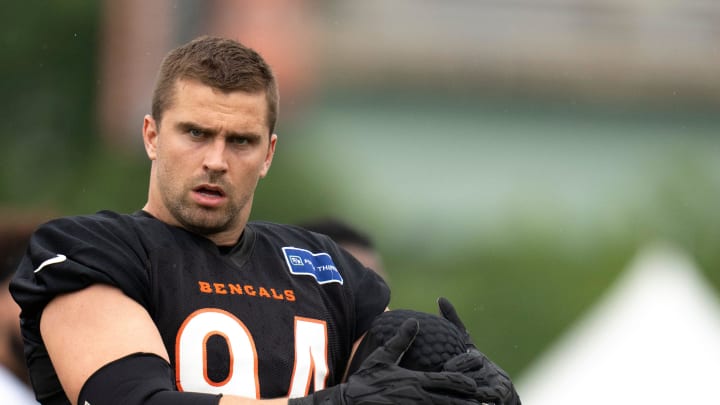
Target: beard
(203, 220)
(198, 219)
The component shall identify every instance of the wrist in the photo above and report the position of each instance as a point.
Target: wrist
(301, 401)
(328, 396)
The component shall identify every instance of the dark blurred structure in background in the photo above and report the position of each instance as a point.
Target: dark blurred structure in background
(598, 51)
(137, 34)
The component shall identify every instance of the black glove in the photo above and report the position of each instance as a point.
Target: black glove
(493, 383)
(380, 381)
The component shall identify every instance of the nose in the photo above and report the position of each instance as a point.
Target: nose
(215, 159)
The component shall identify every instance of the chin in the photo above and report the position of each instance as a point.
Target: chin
(206, 224)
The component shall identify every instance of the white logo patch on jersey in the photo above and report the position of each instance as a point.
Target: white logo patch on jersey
(53, 260)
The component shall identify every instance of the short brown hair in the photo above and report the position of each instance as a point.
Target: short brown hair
(220, 63)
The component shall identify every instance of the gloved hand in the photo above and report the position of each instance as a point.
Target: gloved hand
(494, 385)
(379, 380)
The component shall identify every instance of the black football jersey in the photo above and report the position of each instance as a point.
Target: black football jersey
(275, 315)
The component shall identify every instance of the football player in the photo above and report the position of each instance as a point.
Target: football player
(185, 301)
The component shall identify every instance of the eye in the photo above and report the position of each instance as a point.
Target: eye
(238, 140)
(195, 133)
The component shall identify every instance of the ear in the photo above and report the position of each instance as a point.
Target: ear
(150, 135)
(269, 156)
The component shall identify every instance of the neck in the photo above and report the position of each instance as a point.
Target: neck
(224, 238)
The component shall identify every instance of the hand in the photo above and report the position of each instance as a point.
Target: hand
(380, 380)
(494, 384)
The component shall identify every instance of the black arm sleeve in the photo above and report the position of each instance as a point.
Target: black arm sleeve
(140, 378)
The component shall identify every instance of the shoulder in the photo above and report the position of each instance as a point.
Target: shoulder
(290, 234)
(103, 226)
(308, 247)
(101, 221)
(69, 253)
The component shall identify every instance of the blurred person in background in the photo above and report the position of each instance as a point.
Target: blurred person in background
(14, 378)
(350, 238)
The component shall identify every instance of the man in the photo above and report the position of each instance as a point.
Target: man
(185, 301)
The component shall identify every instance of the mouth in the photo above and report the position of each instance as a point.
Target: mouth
(210, 191)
